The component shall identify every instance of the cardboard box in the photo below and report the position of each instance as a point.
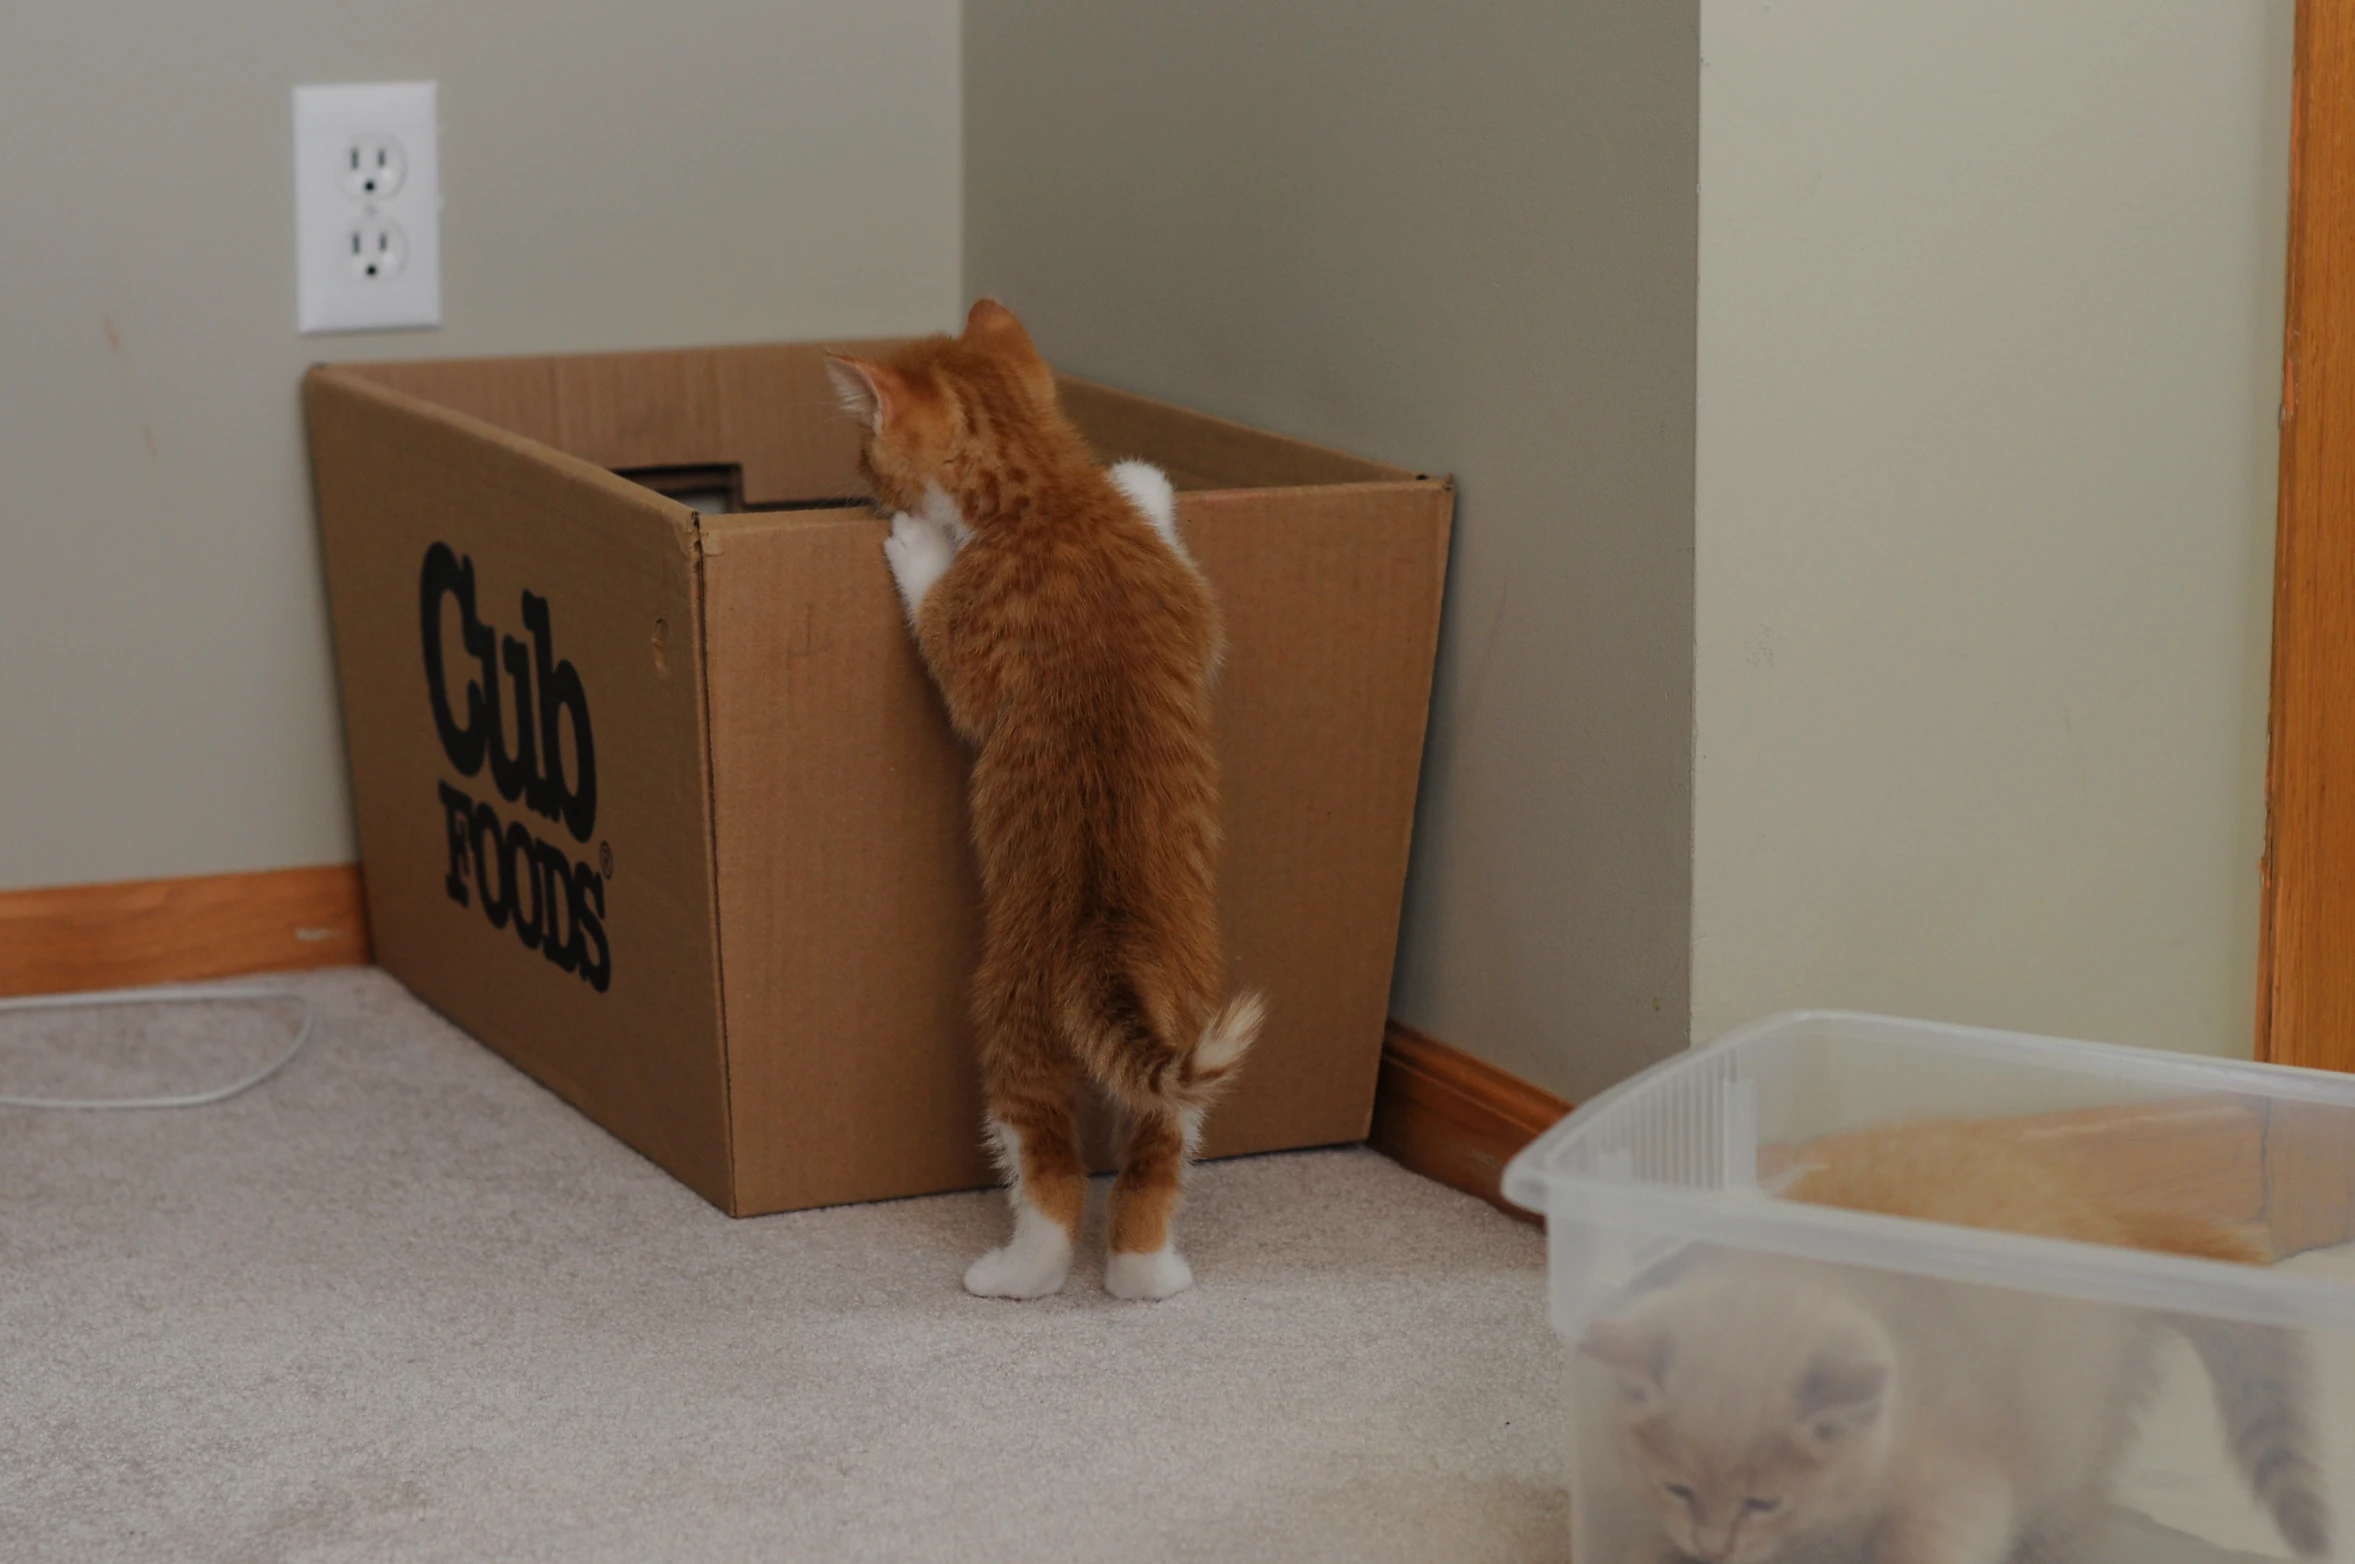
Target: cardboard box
(697, 858)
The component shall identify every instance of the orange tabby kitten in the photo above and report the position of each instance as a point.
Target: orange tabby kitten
(1779, 1410)
(1073, 642)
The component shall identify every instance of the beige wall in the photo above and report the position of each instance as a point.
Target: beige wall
(1987, 354)
(1458, 237)
(1990, 305)
(704, 171)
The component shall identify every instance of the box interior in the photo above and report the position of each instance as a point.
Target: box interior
(759, 427)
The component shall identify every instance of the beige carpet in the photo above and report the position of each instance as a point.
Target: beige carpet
(400, 1303)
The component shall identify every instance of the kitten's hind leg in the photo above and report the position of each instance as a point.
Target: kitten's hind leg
(1035, 1137)
(1144, 1262)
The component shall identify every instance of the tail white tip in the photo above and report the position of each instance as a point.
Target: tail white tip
(1230, 1034)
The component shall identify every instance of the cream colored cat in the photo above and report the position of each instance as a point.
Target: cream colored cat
(1775, 1411)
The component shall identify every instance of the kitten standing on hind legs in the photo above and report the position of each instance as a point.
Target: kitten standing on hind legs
(1073, 643)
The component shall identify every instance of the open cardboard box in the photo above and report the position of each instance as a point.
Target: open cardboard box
(661, 804)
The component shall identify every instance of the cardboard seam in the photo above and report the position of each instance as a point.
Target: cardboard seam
(1353, 487)
(1445, 488)
(700, 595)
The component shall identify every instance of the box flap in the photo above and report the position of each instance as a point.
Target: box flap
(1202, 452)
(516, 638)
(767, 409)
(849, 901)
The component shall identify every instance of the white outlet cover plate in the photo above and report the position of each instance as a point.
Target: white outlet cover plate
(368, 249)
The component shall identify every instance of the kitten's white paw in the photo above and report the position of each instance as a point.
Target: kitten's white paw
(1005, 1273)
(942, 512)
(1032, 1265)
(919, 555)
(1148, 1277)
(1148, 489)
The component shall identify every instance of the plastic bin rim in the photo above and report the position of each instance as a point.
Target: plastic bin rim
(1978, 1256)
(1751, 1220)
(1529, 1175)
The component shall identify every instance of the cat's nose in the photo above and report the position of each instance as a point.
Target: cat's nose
(1713, 1550)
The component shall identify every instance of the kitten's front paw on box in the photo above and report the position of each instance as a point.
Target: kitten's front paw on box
(919, 555)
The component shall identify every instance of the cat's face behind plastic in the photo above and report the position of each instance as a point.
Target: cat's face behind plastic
(951, 414)
(1742, 1438)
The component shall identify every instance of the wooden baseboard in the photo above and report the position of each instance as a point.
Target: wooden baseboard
(76, 937)
(1454, 1118)
(1437, 1110)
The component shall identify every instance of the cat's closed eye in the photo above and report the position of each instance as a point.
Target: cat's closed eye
(1679, 1492)
(1762, 1506)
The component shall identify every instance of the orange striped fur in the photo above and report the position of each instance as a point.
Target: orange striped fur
(1073, 642)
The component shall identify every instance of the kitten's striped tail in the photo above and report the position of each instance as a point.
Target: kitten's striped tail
(1148, 1075)
(1219, 1053)
(2263, 1380)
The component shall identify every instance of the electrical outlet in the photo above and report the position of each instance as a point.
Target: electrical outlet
(367, 207)
(378, 250)
(372, 167)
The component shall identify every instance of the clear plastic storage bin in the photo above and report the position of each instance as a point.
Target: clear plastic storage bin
(1755, 1379)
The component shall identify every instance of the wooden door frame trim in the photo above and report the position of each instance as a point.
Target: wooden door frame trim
(2305, 985)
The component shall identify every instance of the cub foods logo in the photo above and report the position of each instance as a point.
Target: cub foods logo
(521, 880)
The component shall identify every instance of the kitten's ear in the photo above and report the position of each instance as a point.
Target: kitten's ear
(992, 327)
(871, 393)
(989, 318)
(1838, 1395)
(1637, 1353)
